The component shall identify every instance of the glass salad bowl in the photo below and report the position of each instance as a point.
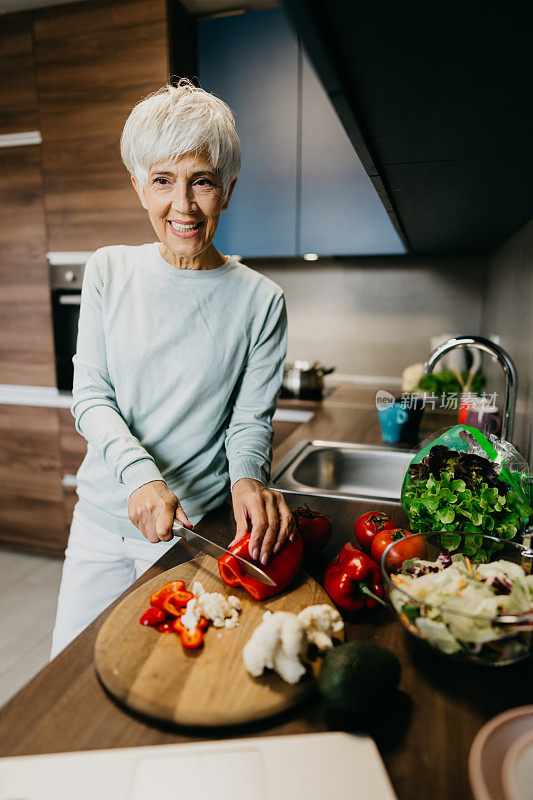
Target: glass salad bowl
(476, 608)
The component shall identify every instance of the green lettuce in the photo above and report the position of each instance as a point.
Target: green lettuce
(445, 503)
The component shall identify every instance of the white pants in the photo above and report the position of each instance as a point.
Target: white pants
(98, 567)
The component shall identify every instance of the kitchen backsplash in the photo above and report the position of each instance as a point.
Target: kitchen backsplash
(507, 313)
(374, 316)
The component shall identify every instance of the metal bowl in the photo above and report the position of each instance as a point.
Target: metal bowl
(476, 638)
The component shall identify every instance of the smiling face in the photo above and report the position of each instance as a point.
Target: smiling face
(184, 200)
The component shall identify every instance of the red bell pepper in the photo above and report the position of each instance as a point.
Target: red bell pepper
(353, 580)
(153, 617)
(282, 568)
(192, 639)
(179, 627)
(159, 597)
(165, 627)
(174, 602)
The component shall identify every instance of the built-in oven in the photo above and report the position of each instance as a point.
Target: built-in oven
(66, 277)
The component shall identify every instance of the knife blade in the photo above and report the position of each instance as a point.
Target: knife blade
(216, 551)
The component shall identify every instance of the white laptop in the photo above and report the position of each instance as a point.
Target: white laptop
(315, 766)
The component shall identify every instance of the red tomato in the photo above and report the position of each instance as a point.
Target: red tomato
(408, 546)
(370, 524)
(314, 528)
(152, 617)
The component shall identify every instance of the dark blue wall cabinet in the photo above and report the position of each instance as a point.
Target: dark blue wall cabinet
(302, 188)
(251, 62)
(341, 212)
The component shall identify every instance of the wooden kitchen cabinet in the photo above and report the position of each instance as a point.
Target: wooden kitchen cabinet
(26, 340)
(94, 61)
(32, 505)
(72, 72)
(18, 99)
(26, 345)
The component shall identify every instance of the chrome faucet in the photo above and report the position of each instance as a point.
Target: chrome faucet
(506, 363)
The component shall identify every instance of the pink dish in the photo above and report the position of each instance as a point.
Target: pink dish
(489, 749)
(517, 772)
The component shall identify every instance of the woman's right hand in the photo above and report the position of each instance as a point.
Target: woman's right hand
(153, 508)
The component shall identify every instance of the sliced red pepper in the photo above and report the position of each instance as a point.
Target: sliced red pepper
(165, 627)
(152, 617)
(282, 568)
(158, 598)
(192, 639)
(175, 601)
(177, 624)
(353, 580)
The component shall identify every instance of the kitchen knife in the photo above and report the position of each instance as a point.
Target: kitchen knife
(216, 551)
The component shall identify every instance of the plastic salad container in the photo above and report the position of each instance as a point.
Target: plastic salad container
(460, 480)
(478, 611)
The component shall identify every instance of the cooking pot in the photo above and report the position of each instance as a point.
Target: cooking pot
(304, 380)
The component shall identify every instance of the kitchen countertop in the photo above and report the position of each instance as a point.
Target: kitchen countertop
(424, 741)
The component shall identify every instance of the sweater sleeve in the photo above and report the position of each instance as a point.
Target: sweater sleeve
(94, 405)
(249, 434)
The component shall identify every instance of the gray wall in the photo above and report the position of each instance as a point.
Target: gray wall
(371, 317)
(375, 316)
(507, 312)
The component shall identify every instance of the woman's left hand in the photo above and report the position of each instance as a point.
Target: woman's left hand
(265, 514)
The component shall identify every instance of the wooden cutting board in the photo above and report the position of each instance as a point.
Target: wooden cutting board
(151, 673)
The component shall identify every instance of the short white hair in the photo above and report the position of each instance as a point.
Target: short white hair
(176, 120)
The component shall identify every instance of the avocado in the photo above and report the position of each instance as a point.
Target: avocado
(358, 677)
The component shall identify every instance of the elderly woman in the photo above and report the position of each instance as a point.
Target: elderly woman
(178, 366)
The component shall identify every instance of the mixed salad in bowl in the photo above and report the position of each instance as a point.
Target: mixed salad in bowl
(477, 611)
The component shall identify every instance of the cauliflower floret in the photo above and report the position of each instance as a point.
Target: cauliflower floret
(277, 643)
(235, 602)
(192, 614)
(197, 589)
(233, 621)
(320, 623)
(214, 605)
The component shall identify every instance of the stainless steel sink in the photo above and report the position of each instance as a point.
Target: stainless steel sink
(343, 469)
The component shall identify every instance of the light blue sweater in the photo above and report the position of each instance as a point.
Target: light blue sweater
(176, 377)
